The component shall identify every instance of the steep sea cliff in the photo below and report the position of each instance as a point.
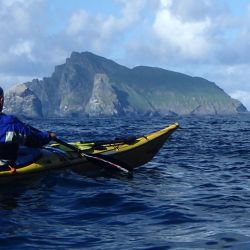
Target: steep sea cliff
(91, 85)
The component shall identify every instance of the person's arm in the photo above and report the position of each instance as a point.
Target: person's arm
(31, 137)
(37, 139)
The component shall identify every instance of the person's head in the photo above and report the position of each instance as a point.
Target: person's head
(1, 99)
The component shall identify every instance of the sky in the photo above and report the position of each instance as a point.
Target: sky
(205, 38)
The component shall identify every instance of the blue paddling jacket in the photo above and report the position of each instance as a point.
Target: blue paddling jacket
(13, 133)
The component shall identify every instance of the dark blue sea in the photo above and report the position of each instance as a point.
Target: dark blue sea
(195, 194)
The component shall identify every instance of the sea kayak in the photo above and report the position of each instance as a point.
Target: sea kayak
(132, 152)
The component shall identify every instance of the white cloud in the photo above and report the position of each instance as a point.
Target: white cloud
(230, 77)
(243, 96)
(187, 38)
(78, 22)
(23, 48)
(9, 80)
(11, 2)
(26, 47)
(102, 33)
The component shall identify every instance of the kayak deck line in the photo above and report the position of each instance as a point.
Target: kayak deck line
(56, 156)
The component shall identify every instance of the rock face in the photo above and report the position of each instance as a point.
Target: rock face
(23, 102)
(103, 100)
(91, 85)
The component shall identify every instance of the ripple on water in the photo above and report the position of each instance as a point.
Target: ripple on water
(193, 195)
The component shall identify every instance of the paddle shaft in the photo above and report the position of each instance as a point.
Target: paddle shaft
(92, 157)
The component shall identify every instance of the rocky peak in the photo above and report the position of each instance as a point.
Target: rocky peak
(88, 84)
(21, 101)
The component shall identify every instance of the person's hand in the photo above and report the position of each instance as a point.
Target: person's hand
(52, 135)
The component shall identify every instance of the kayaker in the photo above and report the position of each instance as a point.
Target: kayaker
(14, 133)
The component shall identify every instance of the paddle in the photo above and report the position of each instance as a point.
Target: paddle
(98, 160)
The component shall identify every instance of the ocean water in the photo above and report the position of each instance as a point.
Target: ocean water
(195, 194)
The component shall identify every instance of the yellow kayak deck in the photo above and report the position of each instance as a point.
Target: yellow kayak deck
(133, 154)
